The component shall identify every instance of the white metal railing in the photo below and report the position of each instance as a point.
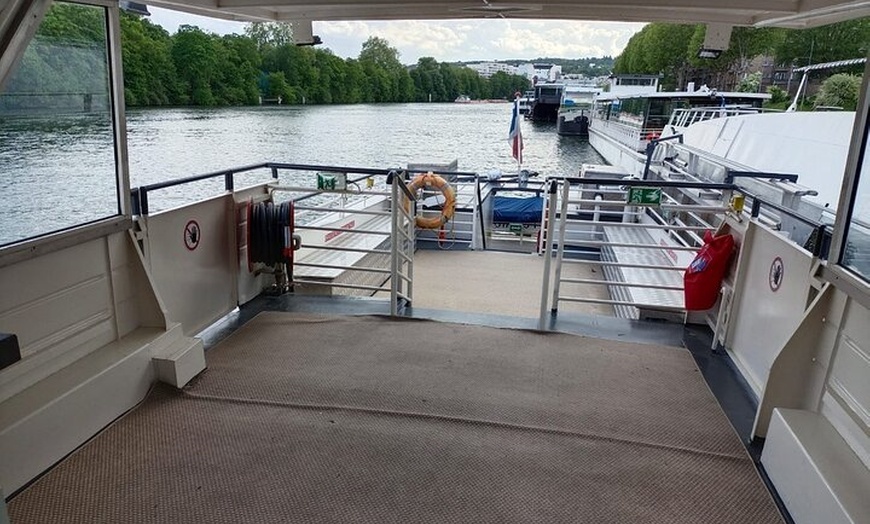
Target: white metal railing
(630, 135)
(362, 242)
(682, 118)
(462, 229)
(642, 250)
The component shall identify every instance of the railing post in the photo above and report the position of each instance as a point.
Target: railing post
(394, 248)
(560, 250)
(411, 228)
(143, 201)
(548, 241)
(275, 173)
(228, 181)
(134, 202)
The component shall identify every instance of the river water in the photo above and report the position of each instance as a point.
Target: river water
(58, 169)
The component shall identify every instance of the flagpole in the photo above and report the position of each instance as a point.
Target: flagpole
(520, 155)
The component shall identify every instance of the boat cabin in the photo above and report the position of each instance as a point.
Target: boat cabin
(652, 111)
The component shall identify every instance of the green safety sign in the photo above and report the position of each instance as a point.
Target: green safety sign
(325, 181)
(332, 181)
(515, 228)
(645, 196)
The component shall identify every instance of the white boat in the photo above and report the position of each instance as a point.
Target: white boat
(627, 117)
(526, 101)
(575, 110)
(311, 410)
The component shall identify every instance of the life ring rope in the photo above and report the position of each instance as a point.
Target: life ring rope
(428, 181)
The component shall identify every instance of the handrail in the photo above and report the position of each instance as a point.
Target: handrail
(139, 195)
(632, 182)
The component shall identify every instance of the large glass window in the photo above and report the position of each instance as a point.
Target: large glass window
(856, 253)
(56, 128)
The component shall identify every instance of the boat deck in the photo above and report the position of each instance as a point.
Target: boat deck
(313, 418)
(492, 282)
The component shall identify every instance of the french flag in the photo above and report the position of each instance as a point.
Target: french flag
(516, 136)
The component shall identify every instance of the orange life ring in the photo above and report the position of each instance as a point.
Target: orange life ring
(430, 180)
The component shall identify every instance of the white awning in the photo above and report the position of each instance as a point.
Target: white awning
(781, 13)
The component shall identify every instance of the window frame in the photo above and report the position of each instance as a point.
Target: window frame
(122, 220)
(850, 282)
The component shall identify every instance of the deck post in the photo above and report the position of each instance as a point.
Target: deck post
(547, 243)
(394, 247)
(560, 250)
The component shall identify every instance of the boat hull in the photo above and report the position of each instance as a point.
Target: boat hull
(572, 124)
(615, 153)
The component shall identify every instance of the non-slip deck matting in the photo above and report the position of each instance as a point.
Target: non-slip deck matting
(365, 419)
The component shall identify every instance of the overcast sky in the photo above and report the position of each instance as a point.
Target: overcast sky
(450, 41)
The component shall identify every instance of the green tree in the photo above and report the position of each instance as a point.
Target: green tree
(378, 51)
(150, 78)
(828, 43)
(278, 87)
(750, 83)
(269, 34)
(840, 90)
(196, 60)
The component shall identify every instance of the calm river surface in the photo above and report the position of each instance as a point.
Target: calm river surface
(61, 166)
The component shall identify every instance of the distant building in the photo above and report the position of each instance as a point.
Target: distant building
(487, 69)
(774, 74)
(541, 72)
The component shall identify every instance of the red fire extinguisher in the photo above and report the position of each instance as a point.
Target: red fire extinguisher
(704, 275)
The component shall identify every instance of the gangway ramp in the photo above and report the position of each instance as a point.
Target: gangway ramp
(659, 292)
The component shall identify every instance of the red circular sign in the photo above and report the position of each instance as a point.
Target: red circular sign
(776, 274)
(192, 235)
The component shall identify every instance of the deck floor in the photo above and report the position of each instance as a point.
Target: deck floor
(499, 283)
(311, 418)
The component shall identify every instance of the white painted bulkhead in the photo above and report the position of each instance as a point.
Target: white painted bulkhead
(804, 348)
(93, 336)
(817, 450)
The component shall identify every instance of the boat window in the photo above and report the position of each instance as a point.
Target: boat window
(56, 128)
(856, 251)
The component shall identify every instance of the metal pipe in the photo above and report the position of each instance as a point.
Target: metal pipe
(348, 268)
(627, 244)
(620, 284)
(642, 226)
(333, 284)
(480, 213)
(303, 189)
(361, 231)
(547, 243)
(649, 183)
(622, 303)
(560, 249)
(622, 264)
(394, 246)
(349, 249)
(345, 210)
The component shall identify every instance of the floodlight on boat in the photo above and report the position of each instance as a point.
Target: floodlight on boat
(711, 54)
(134, 8)
(717, 37)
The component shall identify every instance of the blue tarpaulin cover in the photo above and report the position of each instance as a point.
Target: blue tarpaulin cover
(517, 210)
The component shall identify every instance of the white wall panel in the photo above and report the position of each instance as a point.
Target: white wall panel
(763, 318)
(51, 299)
(197, 285)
